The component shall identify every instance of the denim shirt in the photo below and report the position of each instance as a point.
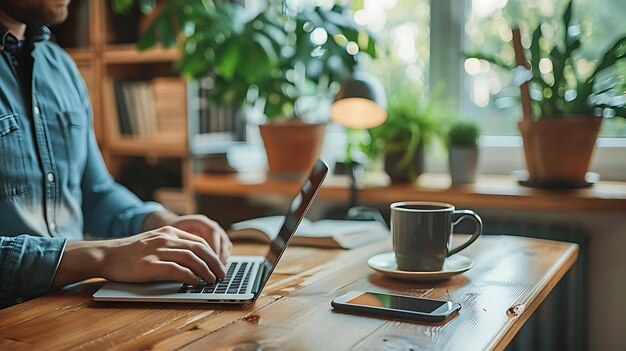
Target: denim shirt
(53, 182)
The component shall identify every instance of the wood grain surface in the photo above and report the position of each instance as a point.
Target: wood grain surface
(510, 278)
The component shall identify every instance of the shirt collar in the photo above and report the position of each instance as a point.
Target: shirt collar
(33, 34)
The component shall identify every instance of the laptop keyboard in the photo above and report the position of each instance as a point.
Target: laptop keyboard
(233, 283)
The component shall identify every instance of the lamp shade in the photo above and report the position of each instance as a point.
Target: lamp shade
(360, 103)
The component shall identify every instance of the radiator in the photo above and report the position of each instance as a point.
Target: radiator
(560, 322)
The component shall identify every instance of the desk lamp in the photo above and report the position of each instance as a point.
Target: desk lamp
(359, 104)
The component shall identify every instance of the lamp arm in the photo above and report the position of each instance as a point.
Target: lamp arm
(354, 192)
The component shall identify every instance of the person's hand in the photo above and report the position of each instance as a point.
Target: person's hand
(208, 230)
(197, 224)
(164, 253)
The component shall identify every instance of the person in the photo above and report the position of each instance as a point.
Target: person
(54, 185)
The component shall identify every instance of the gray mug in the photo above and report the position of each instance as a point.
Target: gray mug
(422, 233)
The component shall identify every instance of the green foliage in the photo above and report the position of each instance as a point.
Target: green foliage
(124, 6)
(565, 91)
(268, 60)
(412, 122)
(464, 134)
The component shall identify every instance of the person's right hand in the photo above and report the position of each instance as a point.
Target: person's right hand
(163, 253)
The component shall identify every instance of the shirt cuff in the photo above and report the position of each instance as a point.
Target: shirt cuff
(28, 267)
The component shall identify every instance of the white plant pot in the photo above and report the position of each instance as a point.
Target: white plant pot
(463, 164)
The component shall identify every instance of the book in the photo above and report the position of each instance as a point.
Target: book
(327, 233)
(123, 118)
(170, 105)
(131, 107)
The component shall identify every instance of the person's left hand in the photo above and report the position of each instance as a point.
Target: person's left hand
(196, 224)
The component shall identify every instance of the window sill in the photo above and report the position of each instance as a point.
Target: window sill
(490, 191)
(503, 154)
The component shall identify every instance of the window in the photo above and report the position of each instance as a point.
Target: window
(425, 42)
(491, 99)
(404, 28)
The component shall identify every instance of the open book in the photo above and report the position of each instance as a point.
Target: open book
(324, 233)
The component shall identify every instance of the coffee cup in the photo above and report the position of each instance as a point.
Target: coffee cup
(422, 233)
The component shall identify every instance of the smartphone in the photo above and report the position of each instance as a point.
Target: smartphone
(396, 306)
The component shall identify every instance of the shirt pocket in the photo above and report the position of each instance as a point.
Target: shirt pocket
(75, 134)
(13, 175)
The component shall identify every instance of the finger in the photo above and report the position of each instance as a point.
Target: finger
(204, 224)
(227, 247)
(190, 260)
(173, 271)
(217, 245)
(222, 245)
(202, 249)
(206, 228)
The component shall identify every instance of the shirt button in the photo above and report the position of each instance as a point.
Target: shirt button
(36, 110)
(52, 226)
(50, 177)
(19, 300)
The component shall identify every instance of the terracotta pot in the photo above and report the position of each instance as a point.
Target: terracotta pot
(559, 149)
(292, 147)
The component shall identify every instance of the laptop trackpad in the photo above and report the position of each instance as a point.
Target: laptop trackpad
(140, 289)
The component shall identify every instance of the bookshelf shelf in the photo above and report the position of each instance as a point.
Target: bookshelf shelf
(129, 54)
(152, 147)
(80, 54)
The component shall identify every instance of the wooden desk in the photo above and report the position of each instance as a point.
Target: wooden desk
(487, 192)
(511, 277)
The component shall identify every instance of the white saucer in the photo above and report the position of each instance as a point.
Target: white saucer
(385, 263)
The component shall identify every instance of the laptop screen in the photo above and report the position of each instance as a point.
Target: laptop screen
(297, 210)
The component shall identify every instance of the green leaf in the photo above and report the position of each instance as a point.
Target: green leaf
(167, 32)
(411, 148)
(148, 37)
(147, 6)
(491, 59)
(535, 49)
(271, 53)
(121, 7)
(567, 16)
(464, 133)
(612, 55)
(227, 62)
(258, 63)
(194, 65)
(336, 18)
(571, 47)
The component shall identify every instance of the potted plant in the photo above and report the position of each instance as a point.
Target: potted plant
(463, 151)
(268, 62)
(411, 125)
(564, 108)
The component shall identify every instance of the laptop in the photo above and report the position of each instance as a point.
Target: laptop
(246, 275)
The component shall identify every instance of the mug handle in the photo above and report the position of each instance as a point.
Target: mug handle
(479, 228)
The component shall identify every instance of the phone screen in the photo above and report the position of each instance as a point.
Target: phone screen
(396, 302)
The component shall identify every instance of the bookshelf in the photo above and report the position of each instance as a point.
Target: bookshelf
(103, 46)
(128, 54)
